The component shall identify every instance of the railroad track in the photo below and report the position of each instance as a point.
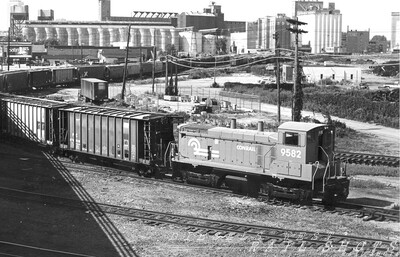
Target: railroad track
(264, 235)
(368, 159)
(365, 212)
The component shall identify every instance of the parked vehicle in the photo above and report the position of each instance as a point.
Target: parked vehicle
(94, 90)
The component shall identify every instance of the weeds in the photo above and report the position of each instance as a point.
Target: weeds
(356, 169)
(357, 183)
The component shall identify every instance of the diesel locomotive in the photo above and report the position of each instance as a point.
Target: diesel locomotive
(297, 162)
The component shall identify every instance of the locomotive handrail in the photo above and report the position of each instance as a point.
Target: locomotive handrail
(313, 178)
(266, 155)
(326, 168)
(165, 154)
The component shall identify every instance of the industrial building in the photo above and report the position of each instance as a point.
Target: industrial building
(324, 27)
(101, 33)
(395, 32)
(160, 29)
(356, 41)
(260, 35)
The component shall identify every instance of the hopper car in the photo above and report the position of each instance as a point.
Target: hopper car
(26, 80)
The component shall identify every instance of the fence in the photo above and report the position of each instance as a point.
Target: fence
(237, 100)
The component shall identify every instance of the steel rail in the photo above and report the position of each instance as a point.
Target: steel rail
(212, 227)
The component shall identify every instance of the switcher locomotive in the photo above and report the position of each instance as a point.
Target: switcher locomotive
(297, 162)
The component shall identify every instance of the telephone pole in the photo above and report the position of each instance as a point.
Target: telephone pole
(296, 109)
(278, 75)
(126, 63)
(8, 49)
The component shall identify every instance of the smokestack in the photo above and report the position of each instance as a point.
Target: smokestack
(233, 124)
(261, 126)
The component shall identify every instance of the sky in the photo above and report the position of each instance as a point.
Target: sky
(357, 14)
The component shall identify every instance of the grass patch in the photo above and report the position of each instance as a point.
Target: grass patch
(357, 183)
(358, 169)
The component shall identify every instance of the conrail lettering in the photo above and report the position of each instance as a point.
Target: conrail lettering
(246, 148)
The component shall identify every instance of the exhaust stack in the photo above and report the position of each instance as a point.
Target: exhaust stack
(260, 126)
(233, 124)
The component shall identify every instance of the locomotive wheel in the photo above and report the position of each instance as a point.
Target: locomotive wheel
(329, 198)
(266, 191)
(253, 188)
(304, 197)
(342, 196)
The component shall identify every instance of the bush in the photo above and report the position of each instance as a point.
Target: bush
(357, 169)
(358, 105)
(367, 184)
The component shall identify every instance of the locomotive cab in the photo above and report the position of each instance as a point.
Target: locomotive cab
(306, 150)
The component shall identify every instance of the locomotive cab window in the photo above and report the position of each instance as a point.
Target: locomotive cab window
(291, 139)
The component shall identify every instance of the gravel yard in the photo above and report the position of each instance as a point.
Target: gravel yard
(81, 232)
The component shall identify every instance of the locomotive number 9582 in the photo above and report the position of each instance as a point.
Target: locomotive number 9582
(291, 153)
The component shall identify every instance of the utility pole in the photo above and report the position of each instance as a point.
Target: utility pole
(154, 67)
(126, 63)
(176, 78)
(278, 75)
(81, 51)
(8, 49)
(140, 61)
(166, 72)
(296, 109)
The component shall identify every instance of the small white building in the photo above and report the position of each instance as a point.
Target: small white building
(318, 74)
